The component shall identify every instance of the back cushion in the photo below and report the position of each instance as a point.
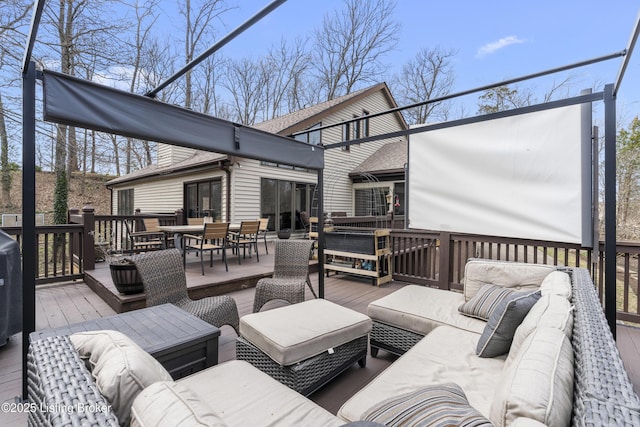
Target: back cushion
(551, 311)
(169, 404)
(558, 283)
(517, 275)
(120, 368)
(538, 384)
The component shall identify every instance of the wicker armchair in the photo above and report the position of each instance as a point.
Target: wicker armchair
(290, 274)
(164, 281)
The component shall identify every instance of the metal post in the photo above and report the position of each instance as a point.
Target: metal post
(29, 244)
(320, 234)
(610, 207)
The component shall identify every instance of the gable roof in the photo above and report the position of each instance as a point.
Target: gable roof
(302, 119)
(390, 157)
(199, 159)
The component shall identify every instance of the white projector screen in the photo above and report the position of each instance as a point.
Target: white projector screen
(518, 176)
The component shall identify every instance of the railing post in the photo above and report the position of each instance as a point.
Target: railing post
(180, 219)
(445, 261)
(71, 213)
(88, 237)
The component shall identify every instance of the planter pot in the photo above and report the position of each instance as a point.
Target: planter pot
(284, 234)
(126, 278)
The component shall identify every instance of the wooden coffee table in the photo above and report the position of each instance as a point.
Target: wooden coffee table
(180, 341)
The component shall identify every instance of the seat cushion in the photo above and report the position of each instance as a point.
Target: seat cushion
(436, 405)
(538, 384)
(421, 309)
(517, 275)
(119, 366)
(170, 404)
(242, 395)
(445, 355)
(297, 332)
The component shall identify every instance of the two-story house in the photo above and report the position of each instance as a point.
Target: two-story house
(235, 189)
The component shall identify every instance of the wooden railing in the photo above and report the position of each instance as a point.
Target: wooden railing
(437, 259)
(428, 258)
(55, 254)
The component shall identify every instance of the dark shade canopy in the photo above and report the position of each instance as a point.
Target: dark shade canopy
(76, 102)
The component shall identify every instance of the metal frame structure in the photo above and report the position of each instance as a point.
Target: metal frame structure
(30, 75)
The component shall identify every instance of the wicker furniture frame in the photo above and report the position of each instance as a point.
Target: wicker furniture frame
(309, 375)
(164, 281)
(603, 394)
(290, 274)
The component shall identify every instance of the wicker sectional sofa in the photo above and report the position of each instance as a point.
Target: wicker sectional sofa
(577, 380)
(440, 348)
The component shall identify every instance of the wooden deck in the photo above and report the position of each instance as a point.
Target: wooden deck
(63, 304)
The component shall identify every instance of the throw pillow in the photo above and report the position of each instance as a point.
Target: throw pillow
(169, 404)
(120, 368)
(505, 319)
(485, 301)
(438, 406)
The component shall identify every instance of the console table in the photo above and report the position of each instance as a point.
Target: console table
(180, 341)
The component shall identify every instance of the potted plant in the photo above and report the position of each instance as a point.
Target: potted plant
(124, 273)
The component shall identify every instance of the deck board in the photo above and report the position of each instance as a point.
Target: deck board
(61, 304)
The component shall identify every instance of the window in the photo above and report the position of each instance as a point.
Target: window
(356, 128)
(125, 202)
(365, 124)
(312, 137)
(282, 202)
(371, 201)
(346, 135)
(204, 198)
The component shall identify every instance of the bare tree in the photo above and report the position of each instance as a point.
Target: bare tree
(13, 15)
(285, 66)
(199, 16)
(351, 45)
(245, 81)
(428, 76)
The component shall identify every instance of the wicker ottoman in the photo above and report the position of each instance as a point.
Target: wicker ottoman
(304, 345)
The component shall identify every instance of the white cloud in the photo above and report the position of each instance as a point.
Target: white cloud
(492, 47)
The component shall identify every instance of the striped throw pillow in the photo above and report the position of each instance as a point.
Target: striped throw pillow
(485, 301)
(440, 405)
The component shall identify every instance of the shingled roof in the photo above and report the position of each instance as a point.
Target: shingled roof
(390, 157)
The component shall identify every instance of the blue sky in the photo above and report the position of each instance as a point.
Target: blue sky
(495, 40)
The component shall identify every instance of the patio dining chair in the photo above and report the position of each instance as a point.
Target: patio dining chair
(290, 274)
(164, 281)
(263, 230)
(144, 240)
(245, 237)
(214, 238)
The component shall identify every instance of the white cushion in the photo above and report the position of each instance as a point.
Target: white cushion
(119, 366)
(539, 382)
(517, 275)
(551, 311)
(447, 354)
(242, 395)
(169, 404)
(297, 332)
(557, 283)
(421, 309)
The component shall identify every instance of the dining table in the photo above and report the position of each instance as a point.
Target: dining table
(179, 231)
